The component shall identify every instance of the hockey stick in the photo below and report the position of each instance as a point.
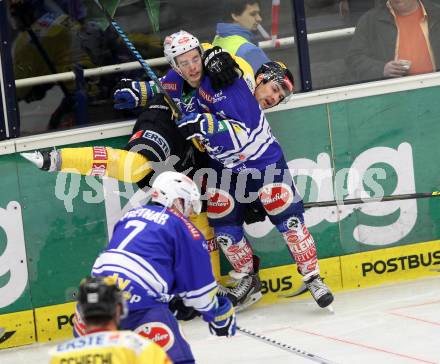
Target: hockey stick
(354, 201)
(175, 108)
(286, 347)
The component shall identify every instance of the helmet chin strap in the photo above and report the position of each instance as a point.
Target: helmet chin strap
(178, 205)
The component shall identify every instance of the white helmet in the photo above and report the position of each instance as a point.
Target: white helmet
(169, 186)
(179, 43)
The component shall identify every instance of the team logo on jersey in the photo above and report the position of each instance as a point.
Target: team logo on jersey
(275, 197)
(158, 332)
(220, 203)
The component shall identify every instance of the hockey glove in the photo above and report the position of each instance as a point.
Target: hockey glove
(130, 94)
(197, 125)
(224, 322)
(180, 311)
(220, 67)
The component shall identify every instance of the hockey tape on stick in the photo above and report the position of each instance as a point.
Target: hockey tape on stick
(354, 201)
(290, 349)
(138, 56)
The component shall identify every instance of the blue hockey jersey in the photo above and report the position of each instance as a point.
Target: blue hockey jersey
(243, 137)
(182, 94)
(156, 253)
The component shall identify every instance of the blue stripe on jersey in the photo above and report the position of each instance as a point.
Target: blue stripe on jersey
(135, 265)
(108, 270)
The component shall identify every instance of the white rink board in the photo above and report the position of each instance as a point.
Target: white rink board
(393, 324)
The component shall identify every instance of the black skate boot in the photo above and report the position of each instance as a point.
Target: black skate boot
(247, 288)
(319, 290)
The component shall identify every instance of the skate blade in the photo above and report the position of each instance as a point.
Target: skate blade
(249, 302)
(301, 290)
(331, 309)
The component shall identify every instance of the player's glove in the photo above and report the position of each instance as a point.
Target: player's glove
(224, 322)
(220, 67)
(195, 125)
(131, 94)
(180, 311)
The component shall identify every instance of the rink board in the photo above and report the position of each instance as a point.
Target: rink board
(390, 265)
(340, 273)
(17, 329)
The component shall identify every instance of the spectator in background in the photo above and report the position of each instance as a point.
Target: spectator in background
(102, 306)
(237, 36)
(352, 10)
(395, 39)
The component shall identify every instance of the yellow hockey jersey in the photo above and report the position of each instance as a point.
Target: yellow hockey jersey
(109, 347)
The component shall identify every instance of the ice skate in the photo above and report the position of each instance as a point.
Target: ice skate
(45, 160)
(245, 289)
(319, 290)
(245, 292)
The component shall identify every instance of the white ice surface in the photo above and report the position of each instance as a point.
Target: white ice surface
(393, 324)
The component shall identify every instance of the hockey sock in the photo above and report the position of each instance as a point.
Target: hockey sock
(104, 161)
(235, 247)
(301, 246)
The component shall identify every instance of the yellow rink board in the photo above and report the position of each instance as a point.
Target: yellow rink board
(396, 264)
(17, 329)
(54, 322)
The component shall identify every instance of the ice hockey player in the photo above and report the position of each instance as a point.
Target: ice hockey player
(237, 136)
(155, 254)
(155, 137)
(102, 306)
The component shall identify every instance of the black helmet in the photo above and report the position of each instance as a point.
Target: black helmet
(98, 298)
(278, 72)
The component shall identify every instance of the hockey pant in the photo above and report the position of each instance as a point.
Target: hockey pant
(275, 190)
(157, 324)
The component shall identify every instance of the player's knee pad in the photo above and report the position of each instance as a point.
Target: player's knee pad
(235, 247)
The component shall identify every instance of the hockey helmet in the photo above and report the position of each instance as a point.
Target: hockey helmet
(169, 186)
(98, 298)
(179, 43)
(279, 73)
